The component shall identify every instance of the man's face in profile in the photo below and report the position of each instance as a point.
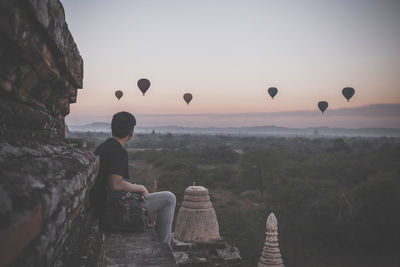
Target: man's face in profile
(130, 134)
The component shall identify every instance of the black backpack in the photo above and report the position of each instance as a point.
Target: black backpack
(124, 212)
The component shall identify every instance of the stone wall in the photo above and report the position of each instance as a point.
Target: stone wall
(44, 179)
(40, 69)
(43, 189)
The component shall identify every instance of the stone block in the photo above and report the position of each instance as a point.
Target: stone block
(40, 69)
(54, 177)
(16, 237)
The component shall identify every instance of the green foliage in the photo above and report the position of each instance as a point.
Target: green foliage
(332, 194)
(245, 229)
(221, 154)
(376, 210)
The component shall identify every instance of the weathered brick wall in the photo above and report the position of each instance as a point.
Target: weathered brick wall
(43, 189)
(40, 69)
(44, 179)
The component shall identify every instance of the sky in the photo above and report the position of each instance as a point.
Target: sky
(227, 53)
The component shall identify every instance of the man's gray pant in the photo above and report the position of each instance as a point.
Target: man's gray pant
(163, 204)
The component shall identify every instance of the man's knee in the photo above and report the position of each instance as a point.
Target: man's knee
(170, 197)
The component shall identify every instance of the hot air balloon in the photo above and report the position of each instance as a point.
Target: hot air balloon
(322, 105)
(272, 91)
(187, 97)
(119, 94)
(348, 92)
(143, 85)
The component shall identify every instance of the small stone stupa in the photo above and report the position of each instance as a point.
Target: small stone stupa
(196, 240)
(196, 221)
(271, 256)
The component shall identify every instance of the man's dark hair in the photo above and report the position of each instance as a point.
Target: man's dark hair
(122, 123)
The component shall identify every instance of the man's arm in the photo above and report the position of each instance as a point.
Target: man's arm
(117, 183)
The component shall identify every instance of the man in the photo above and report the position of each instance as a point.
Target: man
(114, 174)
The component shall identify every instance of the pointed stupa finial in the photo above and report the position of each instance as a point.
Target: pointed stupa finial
(271, 256)
(272, 223)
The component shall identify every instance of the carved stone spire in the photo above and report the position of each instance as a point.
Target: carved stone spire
(271, 256)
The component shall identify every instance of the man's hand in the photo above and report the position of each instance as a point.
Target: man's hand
(144, 191)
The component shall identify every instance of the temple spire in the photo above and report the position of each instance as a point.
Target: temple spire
(271, 256)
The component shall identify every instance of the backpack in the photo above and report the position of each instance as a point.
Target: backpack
(124, 212)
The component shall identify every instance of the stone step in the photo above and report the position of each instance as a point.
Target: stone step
(136, 249)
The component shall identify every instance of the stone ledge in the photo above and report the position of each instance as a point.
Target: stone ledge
(136, 250)
(219, 253)
(43, 189)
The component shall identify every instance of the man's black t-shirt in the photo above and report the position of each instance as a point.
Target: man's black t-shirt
(113, 160)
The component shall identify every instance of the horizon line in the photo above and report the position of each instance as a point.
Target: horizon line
(262, 113)
(243, 127)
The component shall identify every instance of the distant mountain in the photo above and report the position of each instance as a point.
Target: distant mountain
(248, 131)
(380, 114)
(369, 116)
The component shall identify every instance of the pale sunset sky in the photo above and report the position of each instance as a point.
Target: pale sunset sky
(228, 52)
